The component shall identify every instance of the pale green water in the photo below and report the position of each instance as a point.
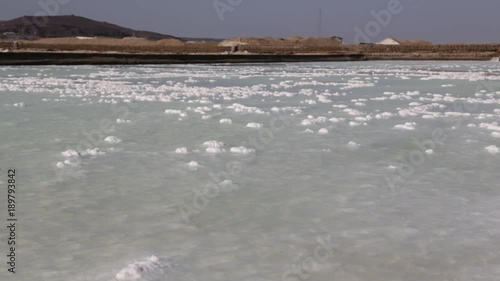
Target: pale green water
(91, 216)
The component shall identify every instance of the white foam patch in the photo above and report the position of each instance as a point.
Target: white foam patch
(147, 269)
(495, 134)
(242, 150)
(112, 140)
(122, 121)
(492, 149)
(429, 152)
(410, 126)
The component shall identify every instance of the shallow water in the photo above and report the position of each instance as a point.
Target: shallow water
(235, 172)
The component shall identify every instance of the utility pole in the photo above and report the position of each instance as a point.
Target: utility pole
(320, 15)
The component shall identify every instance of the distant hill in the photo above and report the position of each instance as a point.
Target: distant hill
(70, 26)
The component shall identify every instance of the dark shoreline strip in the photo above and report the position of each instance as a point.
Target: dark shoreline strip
(46, 58)
(60, 58)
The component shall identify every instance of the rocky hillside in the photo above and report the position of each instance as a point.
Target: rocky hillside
(29, 27)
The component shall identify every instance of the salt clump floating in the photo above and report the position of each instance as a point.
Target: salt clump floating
(112, 140)
(173, 111)
(406, 126)
(323, 131)
(147, 269)
(70, 153)
(214, 150)
(242, 150)
(182, 150)
(254, 125)
(213, 143)
(492, 149)
(226, 121)
(193, 165)
(352, 145)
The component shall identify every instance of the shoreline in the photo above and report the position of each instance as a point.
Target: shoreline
(98, 58)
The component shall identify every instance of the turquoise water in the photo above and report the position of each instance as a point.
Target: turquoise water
(235, 172)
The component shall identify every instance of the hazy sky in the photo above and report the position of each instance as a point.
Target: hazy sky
(434, 20)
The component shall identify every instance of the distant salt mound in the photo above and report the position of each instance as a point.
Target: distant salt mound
(147, 269)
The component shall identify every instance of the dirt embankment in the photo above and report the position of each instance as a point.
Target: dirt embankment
(256, 50)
